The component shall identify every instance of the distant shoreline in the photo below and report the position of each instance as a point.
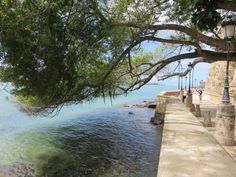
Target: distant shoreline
(152, 84)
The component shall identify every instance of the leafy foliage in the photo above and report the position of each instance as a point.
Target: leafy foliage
(66, 51)
(54, 50)
(202, 13)
(205, 15)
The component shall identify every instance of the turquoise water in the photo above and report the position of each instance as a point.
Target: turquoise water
(90, 139)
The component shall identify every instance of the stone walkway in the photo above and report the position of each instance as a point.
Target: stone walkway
(190, 150)
(205, 106)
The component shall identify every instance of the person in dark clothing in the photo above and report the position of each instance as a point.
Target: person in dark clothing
(200, 95)
(184, 96)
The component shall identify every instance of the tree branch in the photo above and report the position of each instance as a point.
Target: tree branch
(226, 5)
(219, 43)
(159, 66)
(182, 74)
(217, 56)
(171, 41)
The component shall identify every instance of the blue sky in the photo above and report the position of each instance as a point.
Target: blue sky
(200, 70)
(200, 73)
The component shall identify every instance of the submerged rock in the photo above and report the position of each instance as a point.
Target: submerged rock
(139, 105)
(151, 105)
(17, 170)
(145, 104)
(158, 119)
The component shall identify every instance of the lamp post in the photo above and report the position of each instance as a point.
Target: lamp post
(179, 65)
(225, 117)
(181, 79)
(189, 97)
(229, 31)
(189, 83)
(185, 82)
(180, 83)
(193, 78)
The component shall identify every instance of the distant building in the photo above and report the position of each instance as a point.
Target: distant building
(202, 84)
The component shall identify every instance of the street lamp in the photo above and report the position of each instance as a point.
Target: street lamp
(193, 78)
(228, 28)
(189, 98)
(225, 116)
(180, 83)
(185, 82)
(189, 84)
(181, 79)
(179, 65)
(228, 32)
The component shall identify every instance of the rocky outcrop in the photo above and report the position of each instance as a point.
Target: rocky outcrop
(158, 119)
(145, 104)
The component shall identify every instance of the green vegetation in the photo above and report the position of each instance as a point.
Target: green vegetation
(29, 100)
(58, 52)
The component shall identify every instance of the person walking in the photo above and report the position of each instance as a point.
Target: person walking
(200, 95)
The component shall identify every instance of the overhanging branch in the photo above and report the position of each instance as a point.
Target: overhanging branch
(226, 5)
(156, 68)
(219, 43)
(184, 73)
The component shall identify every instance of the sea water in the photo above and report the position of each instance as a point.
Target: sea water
(93, 139)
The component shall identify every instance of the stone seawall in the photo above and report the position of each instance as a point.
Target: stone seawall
(162, 101)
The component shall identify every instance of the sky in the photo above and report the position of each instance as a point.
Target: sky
(200, 73)
(200, 70)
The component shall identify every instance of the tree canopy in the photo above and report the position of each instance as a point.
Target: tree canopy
(58, 52)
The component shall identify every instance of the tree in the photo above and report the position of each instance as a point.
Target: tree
(63, 52)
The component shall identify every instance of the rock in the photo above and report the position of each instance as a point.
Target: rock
(17, 169)
(125, 105)
(160, 116)
(131, 113)
(140, 105)
(156, 121)
(152, 105)
(152, 119)
(148, 104)
(4, 175)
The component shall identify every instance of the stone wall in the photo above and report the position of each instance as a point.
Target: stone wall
(161, 104)
(215, 82)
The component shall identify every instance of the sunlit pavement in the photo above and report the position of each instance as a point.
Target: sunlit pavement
(206, 105)
(188, 149)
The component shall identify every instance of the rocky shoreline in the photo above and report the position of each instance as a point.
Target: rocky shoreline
(157, 119)
(144, 104)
